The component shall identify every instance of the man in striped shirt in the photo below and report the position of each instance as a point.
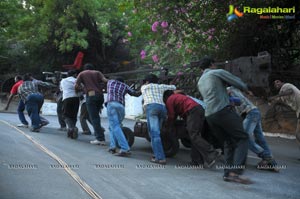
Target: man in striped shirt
(116, 91)
(33, 100)
(156, 113)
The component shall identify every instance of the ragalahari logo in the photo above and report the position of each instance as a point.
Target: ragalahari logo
(233, 13)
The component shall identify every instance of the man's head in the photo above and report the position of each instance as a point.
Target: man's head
(27, 77)
(151, 78)
(278, 84)
(206, 62)
(119, 78)
(18, 78)
(167, 94)
(30, 76)
(89, 66)
(72, 73)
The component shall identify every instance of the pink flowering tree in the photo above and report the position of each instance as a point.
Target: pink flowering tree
(176, 33)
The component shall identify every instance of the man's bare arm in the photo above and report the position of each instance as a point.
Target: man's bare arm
(11, 96)
(285, 93)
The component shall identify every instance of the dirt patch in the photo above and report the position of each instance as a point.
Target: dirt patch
(279, 118)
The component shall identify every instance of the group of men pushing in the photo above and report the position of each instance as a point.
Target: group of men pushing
(233, 133)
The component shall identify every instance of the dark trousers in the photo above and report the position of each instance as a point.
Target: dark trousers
(201, 149)
(59, 111)
(84, 117)
(94, 105)
(227, 126)
(70, 111)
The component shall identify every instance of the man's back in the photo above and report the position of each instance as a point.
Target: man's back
(117, 90)
(212, 86)
(153, 93)
(213, 91)
(179, 104)
(68, 87)
(246, 105)
(91, 80)
(292, 100)
(14, 89)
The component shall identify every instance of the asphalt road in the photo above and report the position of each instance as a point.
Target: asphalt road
(28, 172)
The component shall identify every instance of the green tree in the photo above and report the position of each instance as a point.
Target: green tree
(53, 31)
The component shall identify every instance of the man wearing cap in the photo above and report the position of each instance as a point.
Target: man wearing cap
(224, 122)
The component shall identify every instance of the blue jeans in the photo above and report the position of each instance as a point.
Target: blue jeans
(94, 105)
(115, 114)
(257, 141)
(20, 110)
(156, 114)
(33, 104)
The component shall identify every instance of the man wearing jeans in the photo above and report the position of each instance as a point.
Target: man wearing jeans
(91, 80)
(252, 126)
(116, 90)
(225, 123)
(33, 100)
(156, 113)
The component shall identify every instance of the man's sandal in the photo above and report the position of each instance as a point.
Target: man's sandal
(162, 162)
(237, 179)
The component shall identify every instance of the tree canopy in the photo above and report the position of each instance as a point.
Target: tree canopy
(39, 35)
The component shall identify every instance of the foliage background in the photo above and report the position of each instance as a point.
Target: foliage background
(42, 35)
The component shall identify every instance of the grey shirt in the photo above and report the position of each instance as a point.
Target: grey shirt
(212, 86)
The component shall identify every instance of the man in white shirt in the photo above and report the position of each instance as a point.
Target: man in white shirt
(70, 103)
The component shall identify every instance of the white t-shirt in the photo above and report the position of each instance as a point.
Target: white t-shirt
(67, 86)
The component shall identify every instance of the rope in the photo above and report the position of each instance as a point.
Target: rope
(74, 175)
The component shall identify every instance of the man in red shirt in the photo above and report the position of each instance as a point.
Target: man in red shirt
(193, 113)
(21, 105)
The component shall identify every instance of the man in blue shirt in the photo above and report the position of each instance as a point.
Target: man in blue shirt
(225, 123)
